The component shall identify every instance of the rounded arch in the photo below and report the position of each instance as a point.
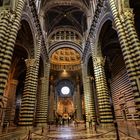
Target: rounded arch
(106, 17)
(18, 65)
(28, 19)
(55, 3)
(64, 44)
(28, 25)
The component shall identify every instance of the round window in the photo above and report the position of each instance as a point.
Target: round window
(65, 90)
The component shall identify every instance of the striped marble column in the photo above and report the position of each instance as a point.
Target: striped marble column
(127, 21)
(42, 100)
(51, 103)
(78, 101)
(47, 75)
(130, 30)
(7, 42)
(129, 50)
(27, 110)
(85, 89)
(134, 47)
(104, 105)
(5, 27)
(42, 103)
(88, 97)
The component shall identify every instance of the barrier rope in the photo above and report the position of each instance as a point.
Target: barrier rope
(128, 135)
(29, 135)
(105, 133)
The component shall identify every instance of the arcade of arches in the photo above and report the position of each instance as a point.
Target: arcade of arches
(74, 60)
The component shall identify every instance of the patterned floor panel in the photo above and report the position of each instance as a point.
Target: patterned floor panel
(79, 133)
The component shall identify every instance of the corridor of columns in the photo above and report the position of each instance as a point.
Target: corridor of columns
(69, 69)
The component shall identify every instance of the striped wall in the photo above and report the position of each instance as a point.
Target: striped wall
(130, 46)
(122, 92)
(123, 97)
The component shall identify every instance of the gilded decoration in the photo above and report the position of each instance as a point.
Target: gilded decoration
(65, 56)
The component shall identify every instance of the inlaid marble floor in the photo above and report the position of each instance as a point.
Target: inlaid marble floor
(79, 133)
(65, 132)
(70, 133)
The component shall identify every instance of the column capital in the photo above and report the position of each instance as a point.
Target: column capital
(38, 37)
(99, 61)
(43, 80)
(128, 13)
(48, 64)
(92, 39)
(30, 62)
(87, 79)
(5, 13)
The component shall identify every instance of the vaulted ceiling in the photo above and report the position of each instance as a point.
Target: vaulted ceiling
(69, 16)
(72, 14)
